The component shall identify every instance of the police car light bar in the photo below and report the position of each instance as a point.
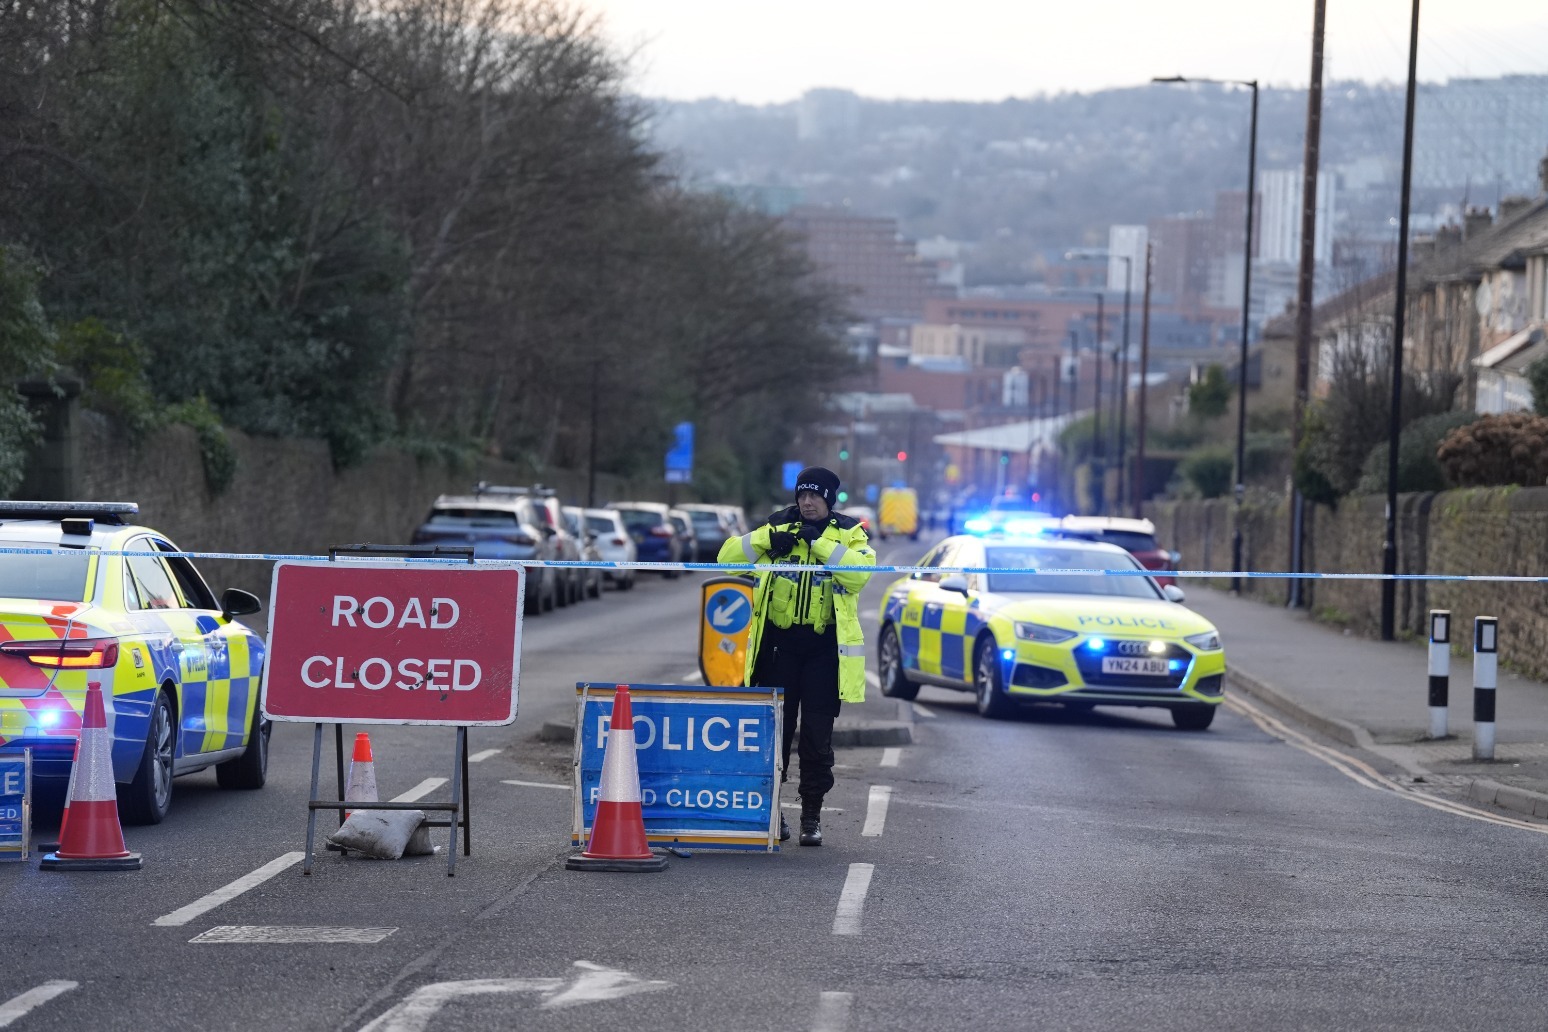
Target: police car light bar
(107, 512)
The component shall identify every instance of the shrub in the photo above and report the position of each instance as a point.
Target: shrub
(1209, 398)
(1419, 469)
(1494, 451)
(1209, 471)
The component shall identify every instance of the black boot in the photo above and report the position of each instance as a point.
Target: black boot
(784, 829)
(811, 823)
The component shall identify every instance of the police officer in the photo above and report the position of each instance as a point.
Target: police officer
(806, 635)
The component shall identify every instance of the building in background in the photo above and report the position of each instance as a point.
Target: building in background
(1126, 242)
(1280, 235)
(1481, 137)
(869, 259)
(828, 116)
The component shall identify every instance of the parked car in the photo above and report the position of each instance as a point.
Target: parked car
(1137, 537)
(575, 525)
(655, 538)
(865, 514)
(687, 535)
(566, 544)
(498, 526)
(712, 524)
(614, 543)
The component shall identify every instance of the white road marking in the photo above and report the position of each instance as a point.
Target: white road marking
(797, 806)
(923, 711)
(876, 810)
(1364, 774)
(419, 791)
(872, 680)
(852, 899)
(20, 1006)
(482, 755)
(891, 755)
(226, 893)
(691, 677)
(291, 934)
(594, 982)
(537, 784)
(833, 1012)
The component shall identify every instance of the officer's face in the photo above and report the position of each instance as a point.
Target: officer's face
(812, 507)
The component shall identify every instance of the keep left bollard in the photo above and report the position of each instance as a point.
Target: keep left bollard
(1486, 672)
(1440, 671)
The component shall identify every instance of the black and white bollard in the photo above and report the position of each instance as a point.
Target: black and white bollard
(1440, 671)
(1486, 672)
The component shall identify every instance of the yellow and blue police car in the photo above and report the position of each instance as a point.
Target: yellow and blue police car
(1082, 639)
(180, 677)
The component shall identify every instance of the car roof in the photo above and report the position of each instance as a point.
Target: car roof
(1136, 526)
(660, 506)
(1039, 541)
(502, 503)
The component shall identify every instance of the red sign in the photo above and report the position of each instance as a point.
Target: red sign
(389, 643)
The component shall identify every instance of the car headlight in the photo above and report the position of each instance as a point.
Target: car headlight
(1043, 633)
(1209, 641)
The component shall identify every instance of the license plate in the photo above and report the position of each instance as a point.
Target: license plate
(1144, 667)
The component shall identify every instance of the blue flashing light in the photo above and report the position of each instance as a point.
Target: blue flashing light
(977, 525)
(1096, 644)
(1174, 665)
(48, 718)
(1009, 653)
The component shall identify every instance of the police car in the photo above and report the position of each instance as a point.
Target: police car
(179, 675)
(1079, 639)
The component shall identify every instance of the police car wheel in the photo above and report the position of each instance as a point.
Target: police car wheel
(987, 687)
(147, 798)
(251, 769)
(1193, 717)
(893, 684)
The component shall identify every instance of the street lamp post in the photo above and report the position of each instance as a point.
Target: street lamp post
(1120, 378)
(1137, 493)
(1098, 467)
(1241, 377)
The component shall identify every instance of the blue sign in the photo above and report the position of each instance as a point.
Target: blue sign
(871, 491)
(679, 461)
(708, 758)
(792, 472)
(15, 803)
(728, 611)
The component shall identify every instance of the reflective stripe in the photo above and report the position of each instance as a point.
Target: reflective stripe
(747, 547)
(852, 650)
(836, 555)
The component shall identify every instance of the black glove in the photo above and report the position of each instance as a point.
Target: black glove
(781, 542)
(810, 532)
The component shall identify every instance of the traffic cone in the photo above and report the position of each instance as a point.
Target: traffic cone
(91, 838)
(360, 785)
(618, 841)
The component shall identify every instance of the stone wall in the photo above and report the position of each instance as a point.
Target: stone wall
(1483, 531)
(286, 496)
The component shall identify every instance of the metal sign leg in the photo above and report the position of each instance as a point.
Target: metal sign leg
(338, 764)
(456, 794)
(467, 811)
(311, 814)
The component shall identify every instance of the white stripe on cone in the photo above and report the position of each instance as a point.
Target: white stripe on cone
(620, 768)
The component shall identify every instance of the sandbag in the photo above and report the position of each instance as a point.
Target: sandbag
(383, 834)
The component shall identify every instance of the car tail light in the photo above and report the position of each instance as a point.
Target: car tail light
(660, 531)
(620, 541)
(69, 654)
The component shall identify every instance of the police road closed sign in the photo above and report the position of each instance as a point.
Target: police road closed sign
(708, 761)
(389, 643)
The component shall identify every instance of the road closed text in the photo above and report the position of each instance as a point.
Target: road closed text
(409, 673)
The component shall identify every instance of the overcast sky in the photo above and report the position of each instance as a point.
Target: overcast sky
(762, 52)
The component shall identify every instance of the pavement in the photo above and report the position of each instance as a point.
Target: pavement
(1373, 695)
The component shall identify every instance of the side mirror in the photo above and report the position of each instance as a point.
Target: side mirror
(1174, 594)
(236, 602)
(955, 582)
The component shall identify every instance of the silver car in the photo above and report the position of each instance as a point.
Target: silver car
(614, 545)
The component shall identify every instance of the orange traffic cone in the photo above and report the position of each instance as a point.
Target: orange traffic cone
(360, 786)
(618, 841)
(91, 838)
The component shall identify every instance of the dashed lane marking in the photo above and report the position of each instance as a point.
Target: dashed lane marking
(923, 711)
(797, 806)
(20, 1006)
(483, 754)
(1363, 773)
(833, 1012)
(420, 790)
(691, 677)
(872, 680)
(286, 934)
(537, 784)
(891, 755)
(852, 899)
(876, 811)
(228, 892)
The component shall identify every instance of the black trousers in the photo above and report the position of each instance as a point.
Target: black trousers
(805, 664)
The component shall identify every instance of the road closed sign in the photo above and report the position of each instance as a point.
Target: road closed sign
(725, 620)
(393, 643)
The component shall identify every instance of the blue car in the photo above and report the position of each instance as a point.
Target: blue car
(655, 537)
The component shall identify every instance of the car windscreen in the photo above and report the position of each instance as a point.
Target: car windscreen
(473, 518)
(640, 519)
(705, 519)
(60, 577)
(1055, 558)
(1130, 541)
(600, 525)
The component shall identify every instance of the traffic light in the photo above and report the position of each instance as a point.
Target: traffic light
(843, 454)
(1005, 458)
(902, 456)
(843, 496)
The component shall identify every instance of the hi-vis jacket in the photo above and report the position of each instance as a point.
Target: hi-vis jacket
(787, 595)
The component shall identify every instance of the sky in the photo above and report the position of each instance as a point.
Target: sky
(759, 52)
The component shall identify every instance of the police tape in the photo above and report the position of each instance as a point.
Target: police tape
(603, 564)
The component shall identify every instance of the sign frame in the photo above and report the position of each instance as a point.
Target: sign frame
(660, 831)
(19, 846)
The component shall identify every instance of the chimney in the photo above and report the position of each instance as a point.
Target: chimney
(1510, 207)
(1447, 240)
(1542, 173)
(1475, 221)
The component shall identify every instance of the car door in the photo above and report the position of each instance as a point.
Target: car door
(919, 625)
(959, 621)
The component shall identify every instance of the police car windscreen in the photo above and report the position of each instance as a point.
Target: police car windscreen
(60, 577)
(473, 518)
(1044, 558)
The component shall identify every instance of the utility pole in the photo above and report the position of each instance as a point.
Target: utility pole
(1137, 492)
(1123, 382)
(1395, 416)
(1305, 293)
(1098, 467)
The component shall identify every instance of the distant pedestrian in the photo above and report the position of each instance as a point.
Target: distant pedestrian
(806, 636)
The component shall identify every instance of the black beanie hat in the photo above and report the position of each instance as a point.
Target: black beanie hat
(824, 481)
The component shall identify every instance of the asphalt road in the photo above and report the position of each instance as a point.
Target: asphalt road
(1065, 872)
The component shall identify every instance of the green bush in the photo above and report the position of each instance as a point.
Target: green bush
(112, 370)
(1209, 398)
(1209, 471)
(1537, 376)
(1496, 451)
(1418, 467)
(216, 452)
